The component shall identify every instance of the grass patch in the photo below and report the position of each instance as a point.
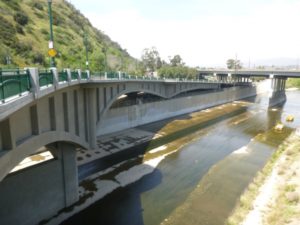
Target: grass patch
(287, 197)
(293, 83)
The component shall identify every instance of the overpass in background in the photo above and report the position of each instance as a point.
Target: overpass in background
(278, 77)
(253, 73)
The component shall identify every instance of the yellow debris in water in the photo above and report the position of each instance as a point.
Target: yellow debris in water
(290, 118)
(279, 127)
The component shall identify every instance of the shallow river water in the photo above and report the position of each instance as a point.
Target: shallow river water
(200, 183)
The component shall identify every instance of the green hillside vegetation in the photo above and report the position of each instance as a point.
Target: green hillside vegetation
(293, 83)
(24, 38)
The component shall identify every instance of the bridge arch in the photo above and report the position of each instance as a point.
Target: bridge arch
(13, 157)
(124, 92)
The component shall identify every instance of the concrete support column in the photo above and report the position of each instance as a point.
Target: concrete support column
(34, 79)
(69, 75)
(79, 74)
(88, 74)
(66, 153)
(92, 116)
(55, 77)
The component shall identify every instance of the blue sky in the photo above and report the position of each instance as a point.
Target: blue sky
(203, 32)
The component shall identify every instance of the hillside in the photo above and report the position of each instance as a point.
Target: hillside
(25, 32)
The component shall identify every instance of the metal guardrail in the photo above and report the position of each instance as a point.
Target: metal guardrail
(63, 76)
(45, 78)
(74, 75)
(13, 82)
(84, 75)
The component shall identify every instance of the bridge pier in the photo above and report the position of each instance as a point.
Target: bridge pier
(30, 195)
(277, 95)
(92, 116)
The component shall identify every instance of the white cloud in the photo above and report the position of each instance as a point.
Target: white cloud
(268, 32)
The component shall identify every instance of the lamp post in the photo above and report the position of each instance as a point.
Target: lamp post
(51, 51)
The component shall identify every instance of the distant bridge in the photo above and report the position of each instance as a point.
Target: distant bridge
(254, 73)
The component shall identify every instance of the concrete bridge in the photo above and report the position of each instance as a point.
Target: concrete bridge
(60, 110)
(63, 110)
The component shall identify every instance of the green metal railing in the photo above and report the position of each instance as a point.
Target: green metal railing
(84, 75)
(74, 75)
(45, 78)
(13, 82)
(62, 76)
(112, 75)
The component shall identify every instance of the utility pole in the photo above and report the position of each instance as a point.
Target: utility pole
(52, 52)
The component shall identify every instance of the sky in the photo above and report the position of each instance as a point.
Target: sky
(204, 33)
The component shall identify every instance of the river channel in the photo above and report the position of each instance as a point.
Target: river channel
(202, 181)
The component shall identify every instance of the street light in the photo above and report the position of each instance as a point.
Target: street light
(52, 52)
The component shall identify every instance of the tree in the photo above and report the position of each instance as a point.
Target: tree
(176, 61)
(234, 64)
(151, 59)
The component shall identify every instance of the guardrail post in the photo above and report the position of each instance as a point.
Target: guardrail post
(79, 74)
(34, 80)
(120, 75)
(55, 77)
(69, 76)
(88, 74)
(105, 75)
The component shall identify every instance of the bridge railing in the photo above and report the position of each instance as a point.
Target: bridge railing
(63, 76)
(45, 78)
(74, 75)
(84, 75)
(13, 82)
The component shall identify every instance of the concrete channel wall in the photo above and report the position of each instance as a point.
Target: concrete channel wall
(126, 117)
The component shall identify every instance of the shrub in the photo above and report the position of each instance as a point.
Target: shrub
(21, 18)
(44, 31)
(38, 6)
(19, 29)
(8, 32)
(38, 58)
(12, 4)
(23, 48)
(39, 15)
